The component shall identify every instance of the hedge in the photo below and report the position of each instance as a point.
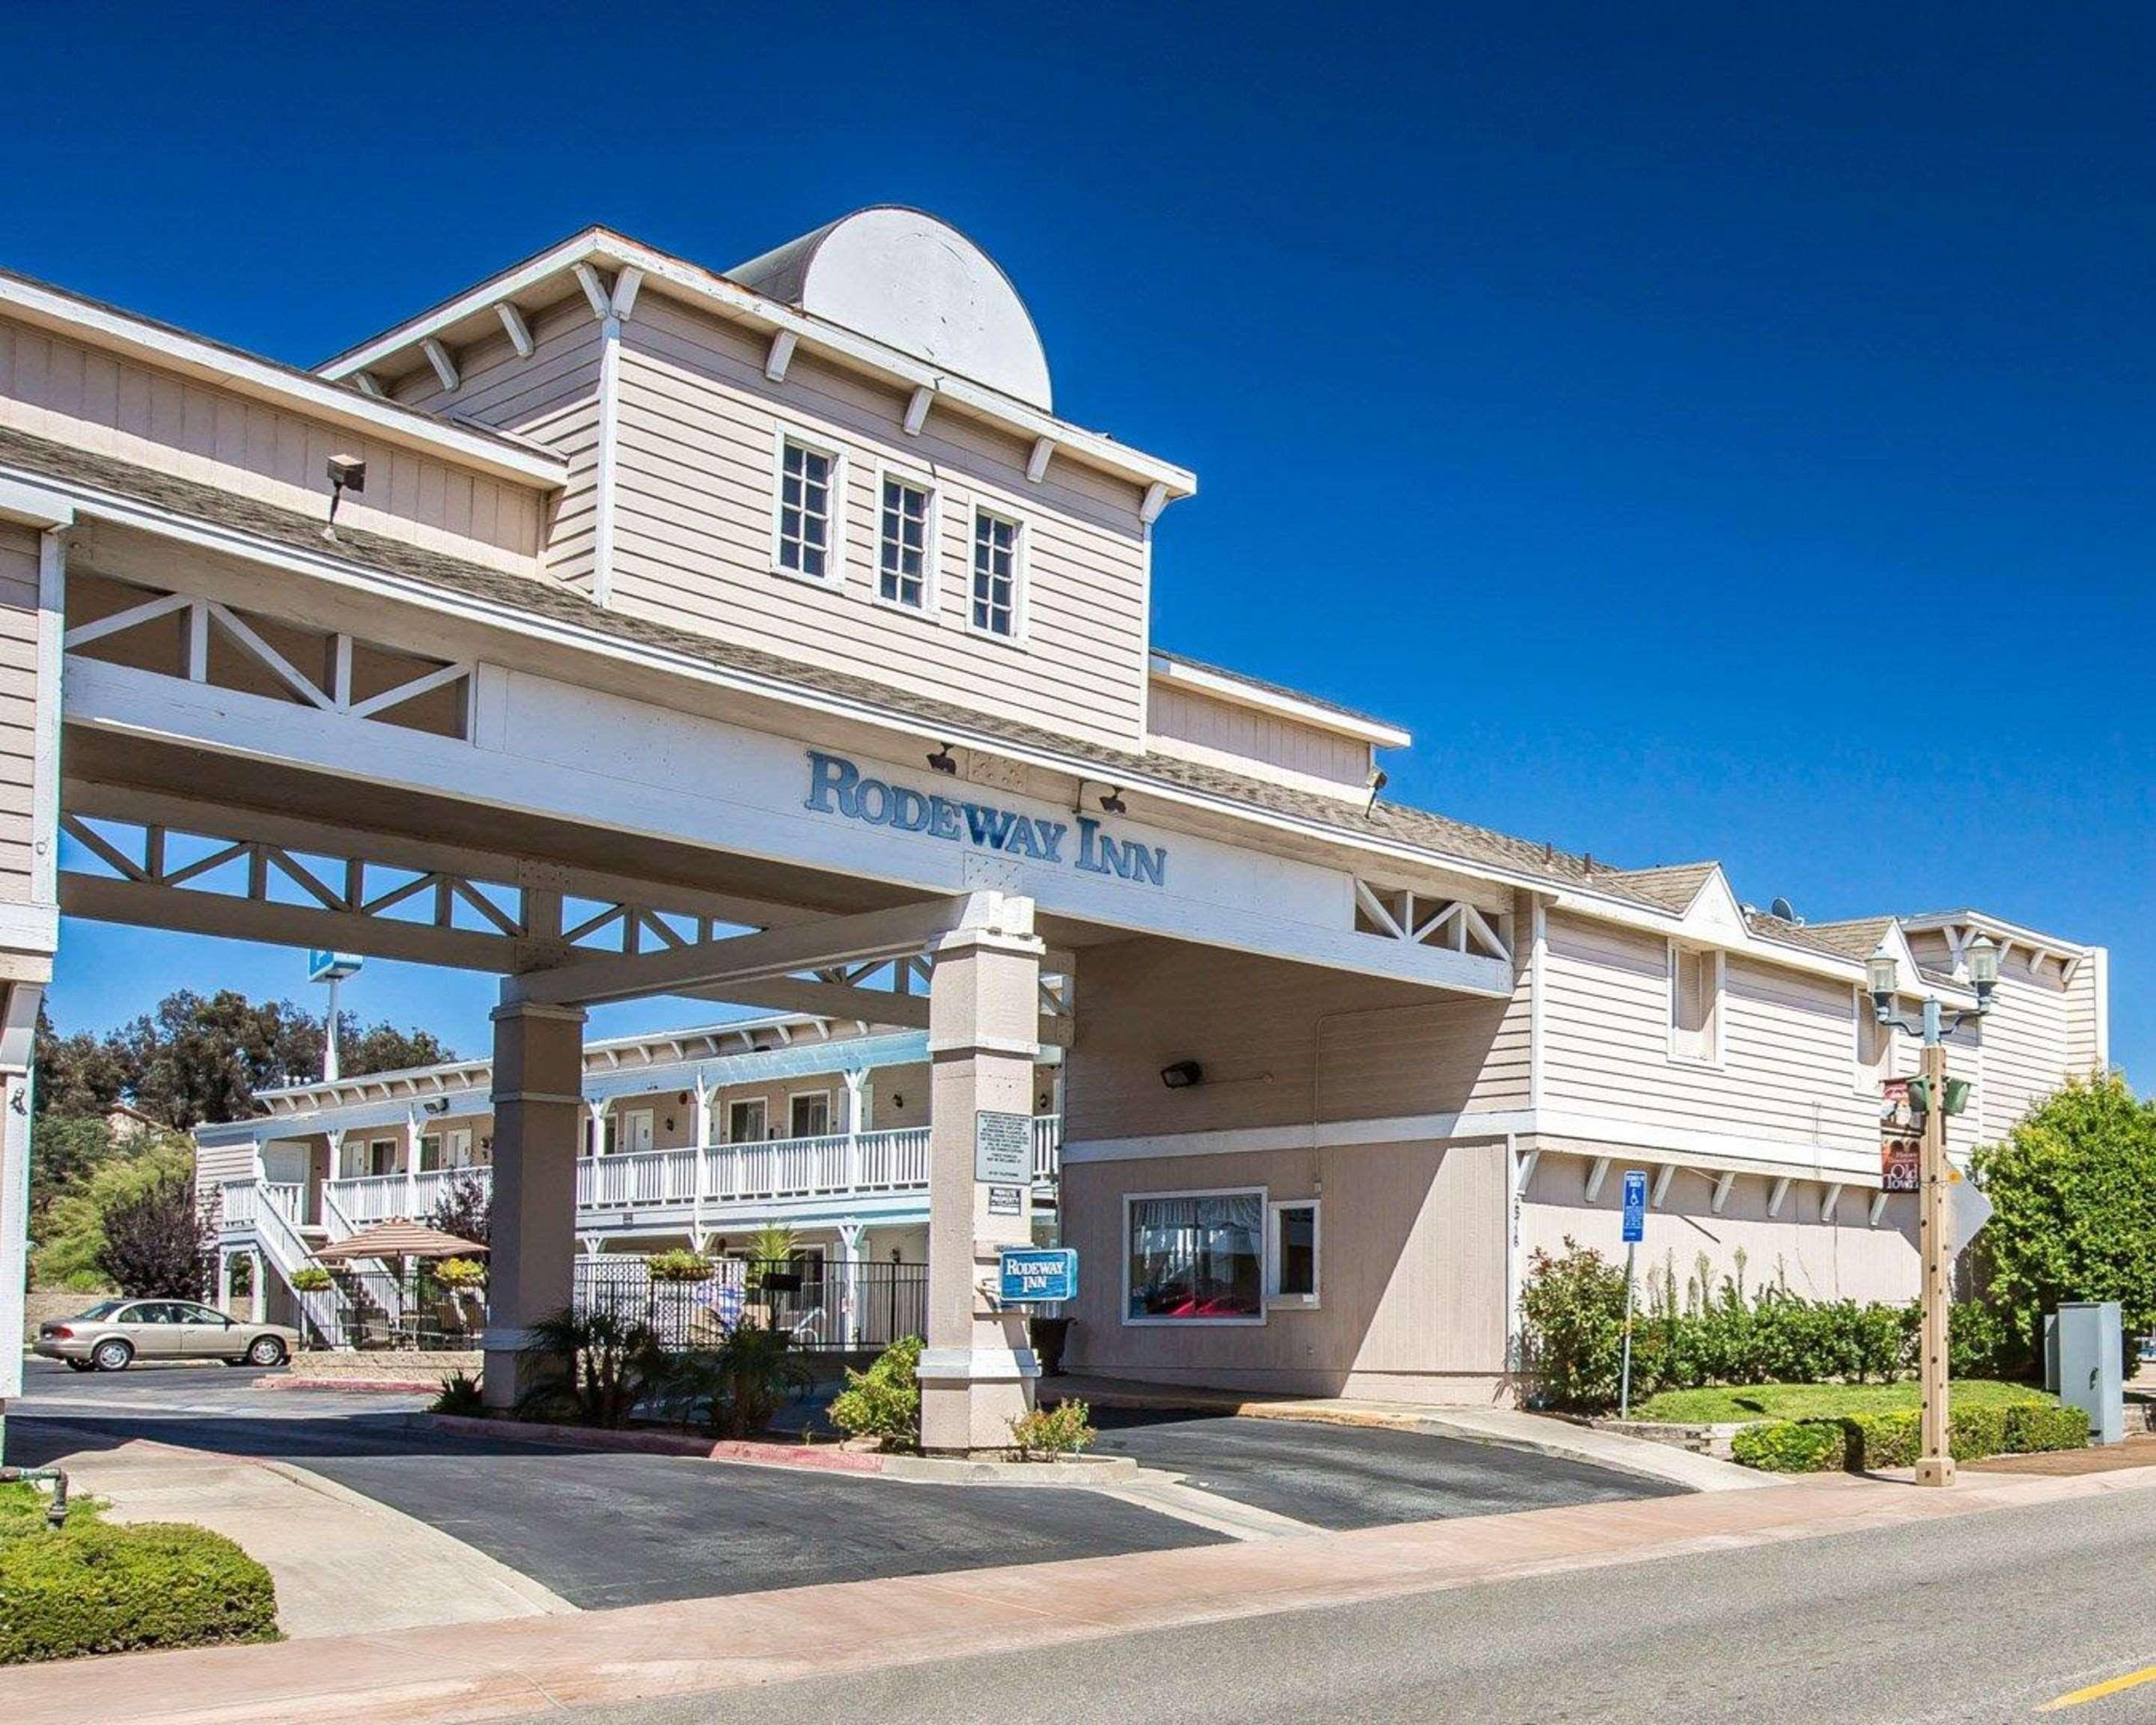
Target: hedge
(103, 1588)
(1871, 1442)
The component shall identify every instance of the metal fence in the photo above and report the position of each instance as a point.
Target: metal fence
(824, 1307)
(379, 1309)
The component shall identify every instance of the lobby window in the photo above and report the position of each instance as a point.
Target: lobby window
(1291, 1253)
(1695, 1005)
(805, 526)
(905, 538)
(1195, 1257)
(996, 554)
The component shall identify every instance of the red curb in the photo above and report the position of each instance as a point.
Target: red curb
(827, 1460)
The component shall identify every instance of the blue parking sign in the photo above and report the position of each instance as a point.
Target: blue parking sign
(1635, 1206)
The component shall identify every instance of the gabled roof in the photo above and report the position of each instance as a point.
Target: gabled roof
(1672, 885)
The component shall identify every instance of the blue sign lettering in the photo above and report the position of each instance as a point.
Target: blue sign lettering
(1037, 1273)
(836, 786)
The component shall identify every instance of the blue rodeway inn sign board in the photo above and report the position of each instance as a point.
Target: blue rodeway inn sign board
(1037, 1273)
(836, 786)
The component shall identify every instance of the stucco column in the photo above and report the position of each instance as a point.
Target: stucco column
(977, 1372)
(538, 1126)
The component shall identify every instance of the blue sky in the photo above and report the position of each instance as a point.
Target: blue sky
(1714, 431)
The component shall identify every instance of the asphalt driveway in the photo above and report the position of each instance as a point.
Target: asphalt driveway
(1342, 1477)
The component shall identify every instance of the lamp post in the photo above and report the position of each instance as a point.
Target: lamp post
(1935, 1465)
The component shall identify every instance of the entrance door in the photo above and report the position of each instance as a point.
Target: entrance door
(635, 1133)
(745, 1122)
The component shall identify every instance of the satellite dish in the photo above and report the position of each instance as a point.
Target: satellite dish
(1783, 909)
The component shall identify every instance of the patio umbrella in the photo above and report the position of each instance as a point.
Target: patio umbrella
(399, 1240)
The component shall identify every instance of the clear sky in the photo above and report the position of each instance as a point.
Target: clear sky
(1714, 431)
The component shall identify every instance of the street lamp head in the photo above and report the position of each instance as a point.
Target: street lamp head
(1984, 967)
(1881, 974)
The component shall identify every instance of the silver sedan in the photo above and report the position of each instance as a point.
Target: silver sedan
(113, 1335)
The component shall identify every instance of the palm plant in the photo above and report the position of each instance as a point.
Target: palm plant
(734, 1388)
(595, 1367)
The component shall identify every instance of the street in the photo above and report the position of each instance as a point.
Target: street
(1985, 1618)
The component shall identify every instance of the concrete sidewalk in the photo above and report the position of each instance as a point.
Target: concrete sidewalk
(1508, 1428)
(523, 1666)
(343, 1564)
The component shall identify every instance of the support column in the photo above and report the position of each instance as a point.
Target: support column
(850, 1283)
(538, 1124)
(411, 1164)
(856, 1077)
(223, 1280)
(258, 1288)
(977, 1372)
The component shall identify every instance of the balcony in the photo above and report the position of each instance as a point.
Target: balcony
(718, 1184)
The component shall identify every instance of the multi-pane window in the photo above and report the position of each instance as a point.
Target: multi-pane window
(807, 480)
(995, 574)
(808, 1114)
(902, 544)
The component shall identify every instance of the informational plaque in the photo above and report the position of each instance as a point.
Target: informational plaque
(1006, 1200)
(1003, 1149)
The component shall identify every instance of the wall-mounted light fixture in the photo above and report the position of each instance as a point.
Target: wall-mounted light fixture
(1113, 802)
(347, 473)
(1377, 783)
(1182, 1075)
(439, 1105)
(943, 760)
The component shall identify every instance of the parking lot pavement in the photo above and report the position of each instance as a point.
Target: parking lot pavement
(1340, 1477)
(598, 1529)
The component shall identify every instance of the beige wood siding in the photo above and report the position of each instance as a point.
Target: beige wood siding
(18, 708)
(217, 1164)
(2086, 1007)
(551, 397)
(1281, 1044)
(1411, 1286)
(2028, 1042)
(1263, 745)
(53, 388)
(1788, 1071)
(1847, 1259)
(698, 427)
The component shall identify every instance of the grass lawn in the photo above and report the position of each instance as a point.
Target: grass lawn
(1819, 1401)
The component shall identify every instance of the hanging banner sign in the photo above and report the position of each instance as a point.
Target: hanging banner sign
(836, 786)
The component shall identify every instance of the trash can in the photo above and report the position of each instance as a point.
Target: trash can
(2090, 1340)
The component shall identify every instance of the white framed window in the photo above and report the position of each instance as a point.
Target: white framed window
(808, 512)
(1873, 1041)
(906, 532)
(1194, 1257)
(808, 1113)
(1291, 1253)
(1696, 1013)
(995, 595)
(745, 1121)
(381, 1156)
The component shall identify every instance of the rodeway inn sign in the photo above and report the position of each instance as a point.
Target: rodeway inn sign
(836, 787)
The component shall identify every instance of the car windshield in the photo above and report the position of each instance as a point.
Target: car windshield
(104, 1308)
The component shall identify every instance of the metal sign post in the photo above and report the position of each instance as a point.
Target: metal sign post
(1635, 1230)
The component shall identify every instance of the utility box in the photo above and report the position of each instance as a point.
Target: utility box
(2090, 1346)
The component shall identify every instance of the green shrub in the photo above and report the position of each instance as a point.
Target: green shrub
(734, 1388)
(461, 1273)
(593, 1368)
(1573, 1308)
(1882, 1441)
(884, 1402)
(101, 1588)
(1980, 1343)
(2039, 1427)
(680, 1265)
(1790, 1445)
(311, 1279)
(1046, 1433)
(460, 1395)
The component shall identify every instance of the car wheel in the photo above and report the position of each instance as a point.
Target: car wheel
(265, 1351)
(112, 1356)
(79, 1365)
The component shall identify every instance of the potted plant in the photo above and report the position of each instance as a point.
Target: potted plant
(311, 1279)
(461, 1273)
(678, 1265)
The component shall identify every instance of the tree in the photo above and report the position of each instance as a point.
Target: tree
(72, 1245)
(464, 1209)
(384, 1048)
(157, 1239)
(2073, 1194)
(80, 1075)
(66, 1151)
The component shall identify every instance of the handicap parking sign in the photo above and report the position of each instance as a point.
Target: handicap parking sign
(1635, 1206)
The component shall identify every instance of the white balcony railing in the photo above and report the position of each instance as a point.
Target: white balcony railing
(833, 1165)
